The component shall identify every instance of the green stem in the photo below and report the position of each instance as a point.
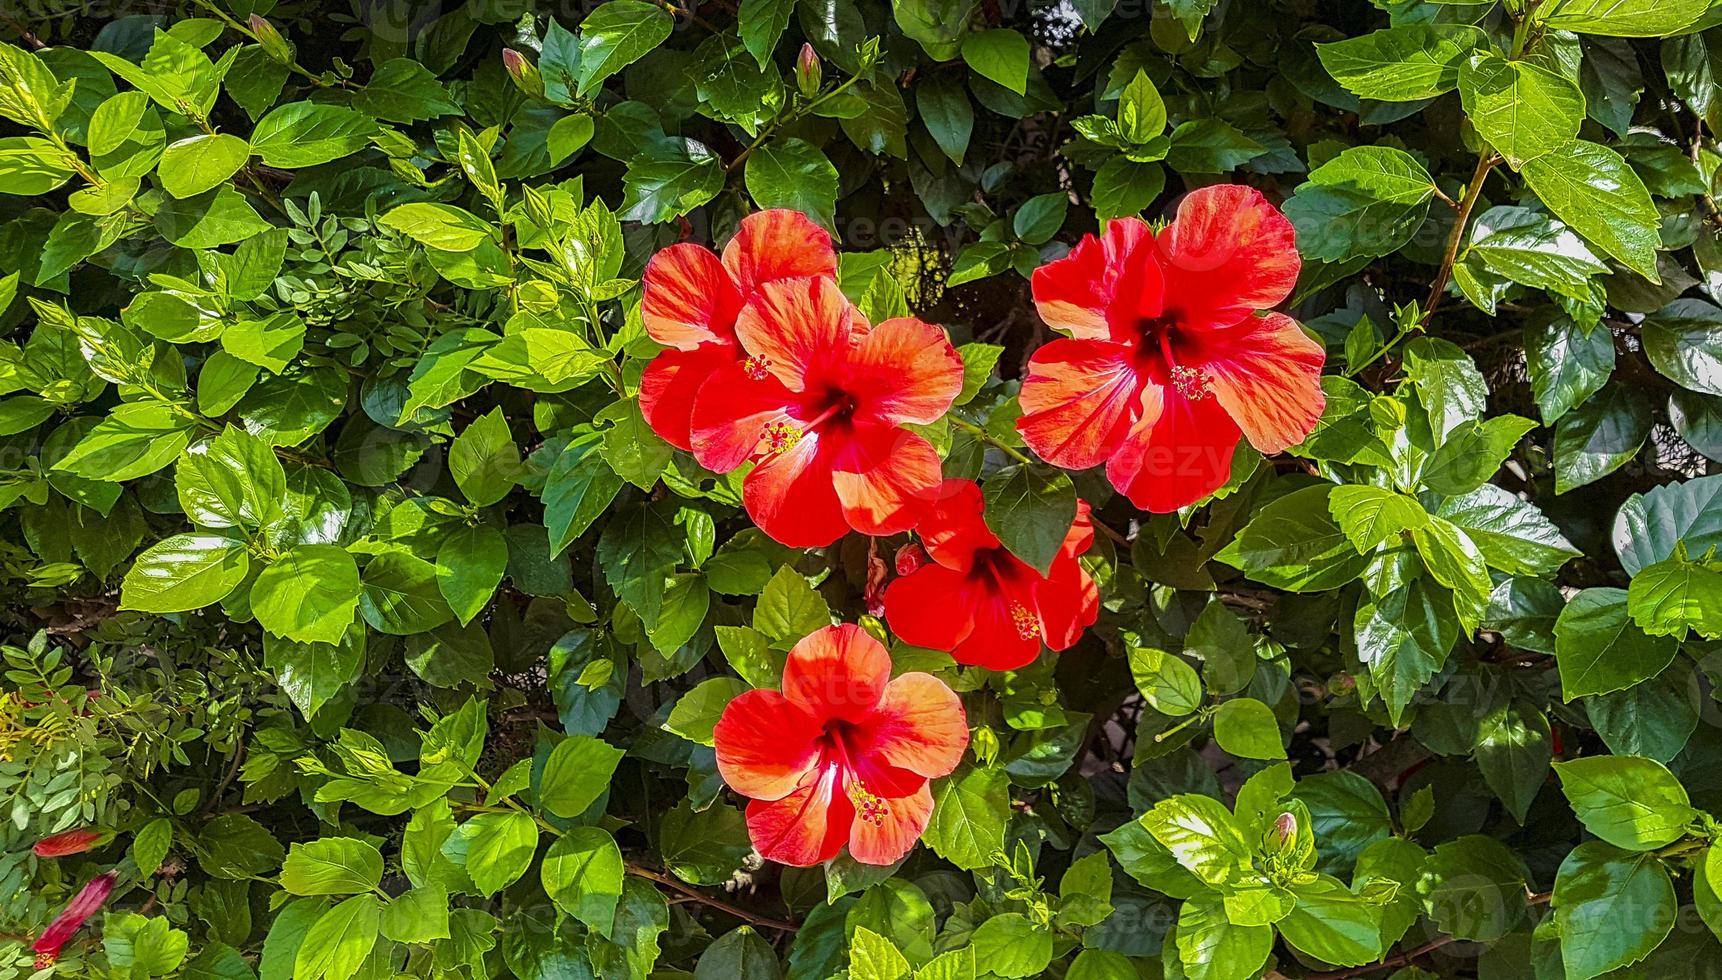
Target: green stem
(987, 437)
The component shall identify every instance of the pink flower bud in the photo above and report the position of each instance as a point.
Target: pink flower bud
(273, 44)
(909, 558)
(68, 842)
(1285, 828)
(524, 73)
(807, 71)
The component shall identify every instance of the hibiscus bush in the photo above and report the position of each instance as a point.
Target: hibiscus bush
(800, 489)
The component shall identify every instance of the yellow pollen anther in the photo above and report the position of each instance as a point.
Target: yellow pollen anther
(1191, 383)
(780, 437)
(868, 807)
(756, 367)
(1027, 624)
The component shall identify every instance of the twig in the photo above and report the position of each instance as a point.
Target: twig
(1461, 218)
(692, 894)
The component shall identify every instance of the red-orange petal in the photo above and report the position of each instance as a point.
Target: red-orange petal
(808, 826)
(1267, 374)
(1181, 456)
(885, 478)
(904, 371)
(1229, 253)
(689, 298)
(670, 384)
(893, 831)
(1006, 634)
(778, 244)
(68, 842)
(1079, 400)
(1075, 293)
(792, 497)
(765, 744)
(919, 725)
(1067, 601)
(792, 328)
(930, 607)
(837, 672)
(954, 526)
(730, 414)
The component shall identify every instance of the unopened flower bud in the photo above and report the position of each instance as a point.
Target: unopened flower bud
(1285, 828)
(807, 71)
(274, 45)
(909, 558)
(524, 73)
(68, 842)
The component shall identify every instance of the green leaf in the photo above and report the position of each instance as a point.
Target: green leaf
(1248, 729)
(1001, 55)
(439, 226)
(697, 712)
(1522, 109)
(1367, 201)
(705, 847)
(1611, 907)
(1011, 946)
(1211, 947)
(184, 572)
(1590, 187)
(739, 954)
(617, 34)
(577, 490)
(1600, 436)
(1621, 18)
(970, 810)
(1203, 836)
(1684, 341)
(576, 774)
(1632, 803)
(1675, 596)
(945, 110)
(484, 460)
(403, 91)
(1403, 638)
(332, 866)
(198, 163)
(1030, 509)
(1567, 364)
(418, 915)
(233, 480)
(582, 874)
(1332, 924)
(400, 595)
(1210, 146)
(1599, 650)
(308, 594)
(670, 177)
(1513, 751)
(1529, 247)
(1373, 516)
(498, 847)
(1293, 543)
(761, 23)
(1512, 534)
(793, 173)
(136, 439)
(1650, 525)
(1472, 453)
(1474, 888)
(1168, 684)
(469, 566)
(305, 134)
(336, 945)
(1399, 64)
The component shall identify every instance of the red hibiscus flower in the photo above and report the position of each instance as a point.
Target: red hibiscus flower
(692, 297)
(68, 842)
(982, 603)
(842, 754)
(819, 404)
(1168, 361)
(83, 905)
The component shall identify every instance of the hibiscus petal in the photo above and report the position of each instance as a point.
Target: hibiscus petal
(931, 607)
(919, 726)
(904, 371)
(885, 477)
(792, 497)
(837, 672)
(765, 744)
(806, 827)
(891, 833)
(1267, 374)
(1179, 454)
(689, 298)
(778, 244)
(1230, 253)
(1078, 401)
(730, 414)
(953, 528)
(1067, 601)
(670, 383)
(1074, 293)
(794, 328)
(1004, 637)
(1080, 537)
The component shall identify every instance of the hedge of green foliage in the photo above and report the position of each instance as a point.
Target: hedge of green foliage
(927, 490)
